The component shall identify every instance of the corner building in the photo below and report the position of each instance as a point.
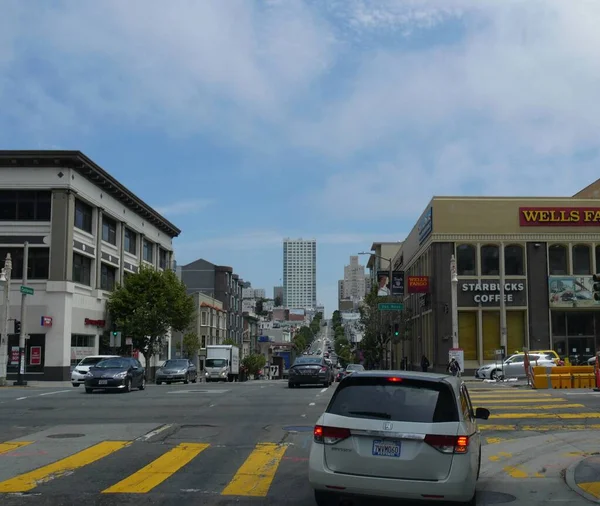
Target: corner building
(86, 233)
(550, 249)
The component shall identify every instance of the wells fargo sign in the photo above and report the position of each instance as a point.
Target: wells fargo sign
(559, 216)
(418, 284)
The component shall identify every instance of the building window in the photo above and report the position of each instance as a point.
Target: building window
(558, 259)
(38, 262)
(466, 260)
(598, 258)
(25, 205)
(130, 245)
(83, 216)
(513, 260)
(109, 230)
(204, 322)
(203, 342)
(490, 260)
(582, 259)
(108, 275)
(162, 258)
(147, 254)
(82, 269)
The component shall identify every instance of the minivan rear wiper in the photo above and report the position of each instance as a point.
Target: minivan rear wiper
(376, 414)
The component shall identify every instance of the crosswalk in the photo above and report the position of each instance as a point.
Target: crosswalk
(132, 467)
(530, 410)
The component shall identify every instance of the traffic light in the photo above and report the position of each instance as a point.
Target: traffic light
(596, 287)
(114, 329)
(17, 327)
(396, 329)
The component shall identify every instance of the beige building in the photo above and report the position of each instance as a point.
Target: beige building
(548, 248)
(381, 251)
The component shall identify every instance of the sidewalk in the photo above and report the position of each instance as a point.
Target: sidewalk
(584, 478)
(40, 384)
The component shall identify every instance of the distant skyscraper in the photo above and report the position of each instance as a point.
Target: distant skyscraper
(299, 273)
(354, 280)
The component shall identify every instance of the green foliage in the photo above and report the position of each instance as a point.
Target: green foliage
(336, 319)
(148, 304)
(229, 342)
(278, 301)
(375, 326)
(254, 363)
(191, 345)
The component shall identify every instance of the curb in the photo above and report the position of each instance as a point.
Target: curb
(573, 485)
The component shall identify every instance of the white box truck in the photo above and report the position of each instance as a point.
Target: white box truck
(222, 363)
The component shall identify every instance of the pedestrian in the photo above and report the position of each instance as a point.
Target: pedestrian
(424, 363)
(453, 367)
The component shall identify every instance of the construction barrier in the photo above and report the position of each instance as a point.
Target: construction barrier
(564, 377)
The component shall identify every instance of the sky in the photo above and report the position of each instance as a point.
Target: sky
(245, 122)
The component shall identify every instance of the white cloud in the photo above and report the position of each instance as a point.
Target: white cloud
(184, 207)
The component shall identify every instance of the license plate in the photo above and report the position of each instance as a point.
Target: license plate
(103, 382)
(386, 448)
(169, 377)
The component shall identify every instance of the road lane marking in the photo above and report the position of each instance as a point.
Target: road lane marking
(312, 404)
(154, 432)
(592, 488)
(159, 470)
(11, 447)
(500, 456)
(21, 398)
(518, 473)
(539, 428)
(57, 392)
(558, 416)
(543, 406)
(556, 400)
(28, 481)
(255, 476)
(324, 390)
(496, 440)
(506, 395)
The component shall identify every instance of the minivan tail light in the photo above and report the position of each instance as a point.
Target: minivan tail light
(448, 444)
(330, 435)
(324, 369)
(395, 379)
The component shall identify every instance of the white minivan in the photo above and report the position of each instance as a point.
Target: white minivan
(397, 435)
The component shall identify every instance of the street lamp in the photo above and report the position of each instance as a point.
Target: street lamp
(5, 279)
(391, 275)
(454, 298)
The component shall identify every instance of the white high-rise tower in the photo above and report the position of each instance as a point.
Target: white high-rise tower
(300, 273)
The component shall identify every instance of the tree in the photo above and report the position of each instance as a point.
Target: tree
(259, 307)
(229, 342)
(336, 319)
(148, 305)
(278, 301)
(191, 345)
(377, 327)
(254, 363)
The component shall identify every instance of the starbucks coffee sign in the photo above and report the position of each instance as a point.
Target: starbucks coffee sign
(476, 293)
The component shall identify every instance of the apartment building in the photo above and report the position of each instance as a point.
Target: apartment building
(379, 260)
(250, 333)
(299, 273)
(354, 280)
(86, 233)
(218, 282)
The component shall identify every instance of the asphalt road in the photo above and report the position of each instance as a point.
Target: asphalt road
(247, 444)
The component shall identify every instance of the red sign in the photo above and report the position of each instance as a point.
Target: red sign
(46, 321)
(35, 355)
(95, 323)
(418, 284)
(14, 355)
(559, 216)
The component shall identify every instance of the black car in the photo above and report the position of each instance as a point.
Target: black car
(121, 373)
(309, 370)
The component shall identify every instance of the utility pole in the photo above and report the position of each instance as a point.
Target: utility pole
(391, 266)
(503, 332)
(454, 298)
(5, 277)
(21, 377)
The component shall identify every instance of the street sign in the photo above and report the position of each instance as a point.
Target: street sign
(390, 306)
(27, 290)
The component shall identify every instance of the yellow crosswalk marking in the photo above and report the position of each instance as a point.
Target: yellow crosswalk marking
(255, 476)
(543, 406)
(28, 481)
(11, 447)
(159, 470)
(565, 416)
(538, 428)
(482, 402)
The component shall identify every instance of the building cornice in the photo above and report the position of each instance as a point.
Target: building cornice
(79, 162)
(515, 237)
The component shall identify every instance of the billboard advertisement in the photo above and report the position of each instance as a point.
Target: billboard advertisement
(571, 291)
(418, 284)
(559, 216)
(384, 287)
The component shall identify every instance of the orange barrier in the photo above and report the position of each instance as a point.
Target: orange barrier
(565, 377)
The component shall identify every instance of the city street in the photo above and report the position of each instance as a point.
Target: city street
(248, 443)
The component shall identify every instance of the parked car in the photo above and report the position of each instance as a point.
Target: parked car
(352, 368)
(120, 373)
(399, 435)
(83, 367)
(514, 366)
(311, 370)
(340, 375)
(173, 371)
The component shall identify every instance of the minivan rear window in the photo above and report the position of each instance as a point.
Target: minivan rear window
(409, 400)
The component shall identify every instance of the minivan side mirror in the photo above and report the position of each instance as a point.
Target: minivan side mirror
(482, 413)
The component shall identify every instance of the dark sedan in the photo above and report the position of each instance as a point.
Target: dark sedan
(175, 370)
(310, 371)
(121, 373)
